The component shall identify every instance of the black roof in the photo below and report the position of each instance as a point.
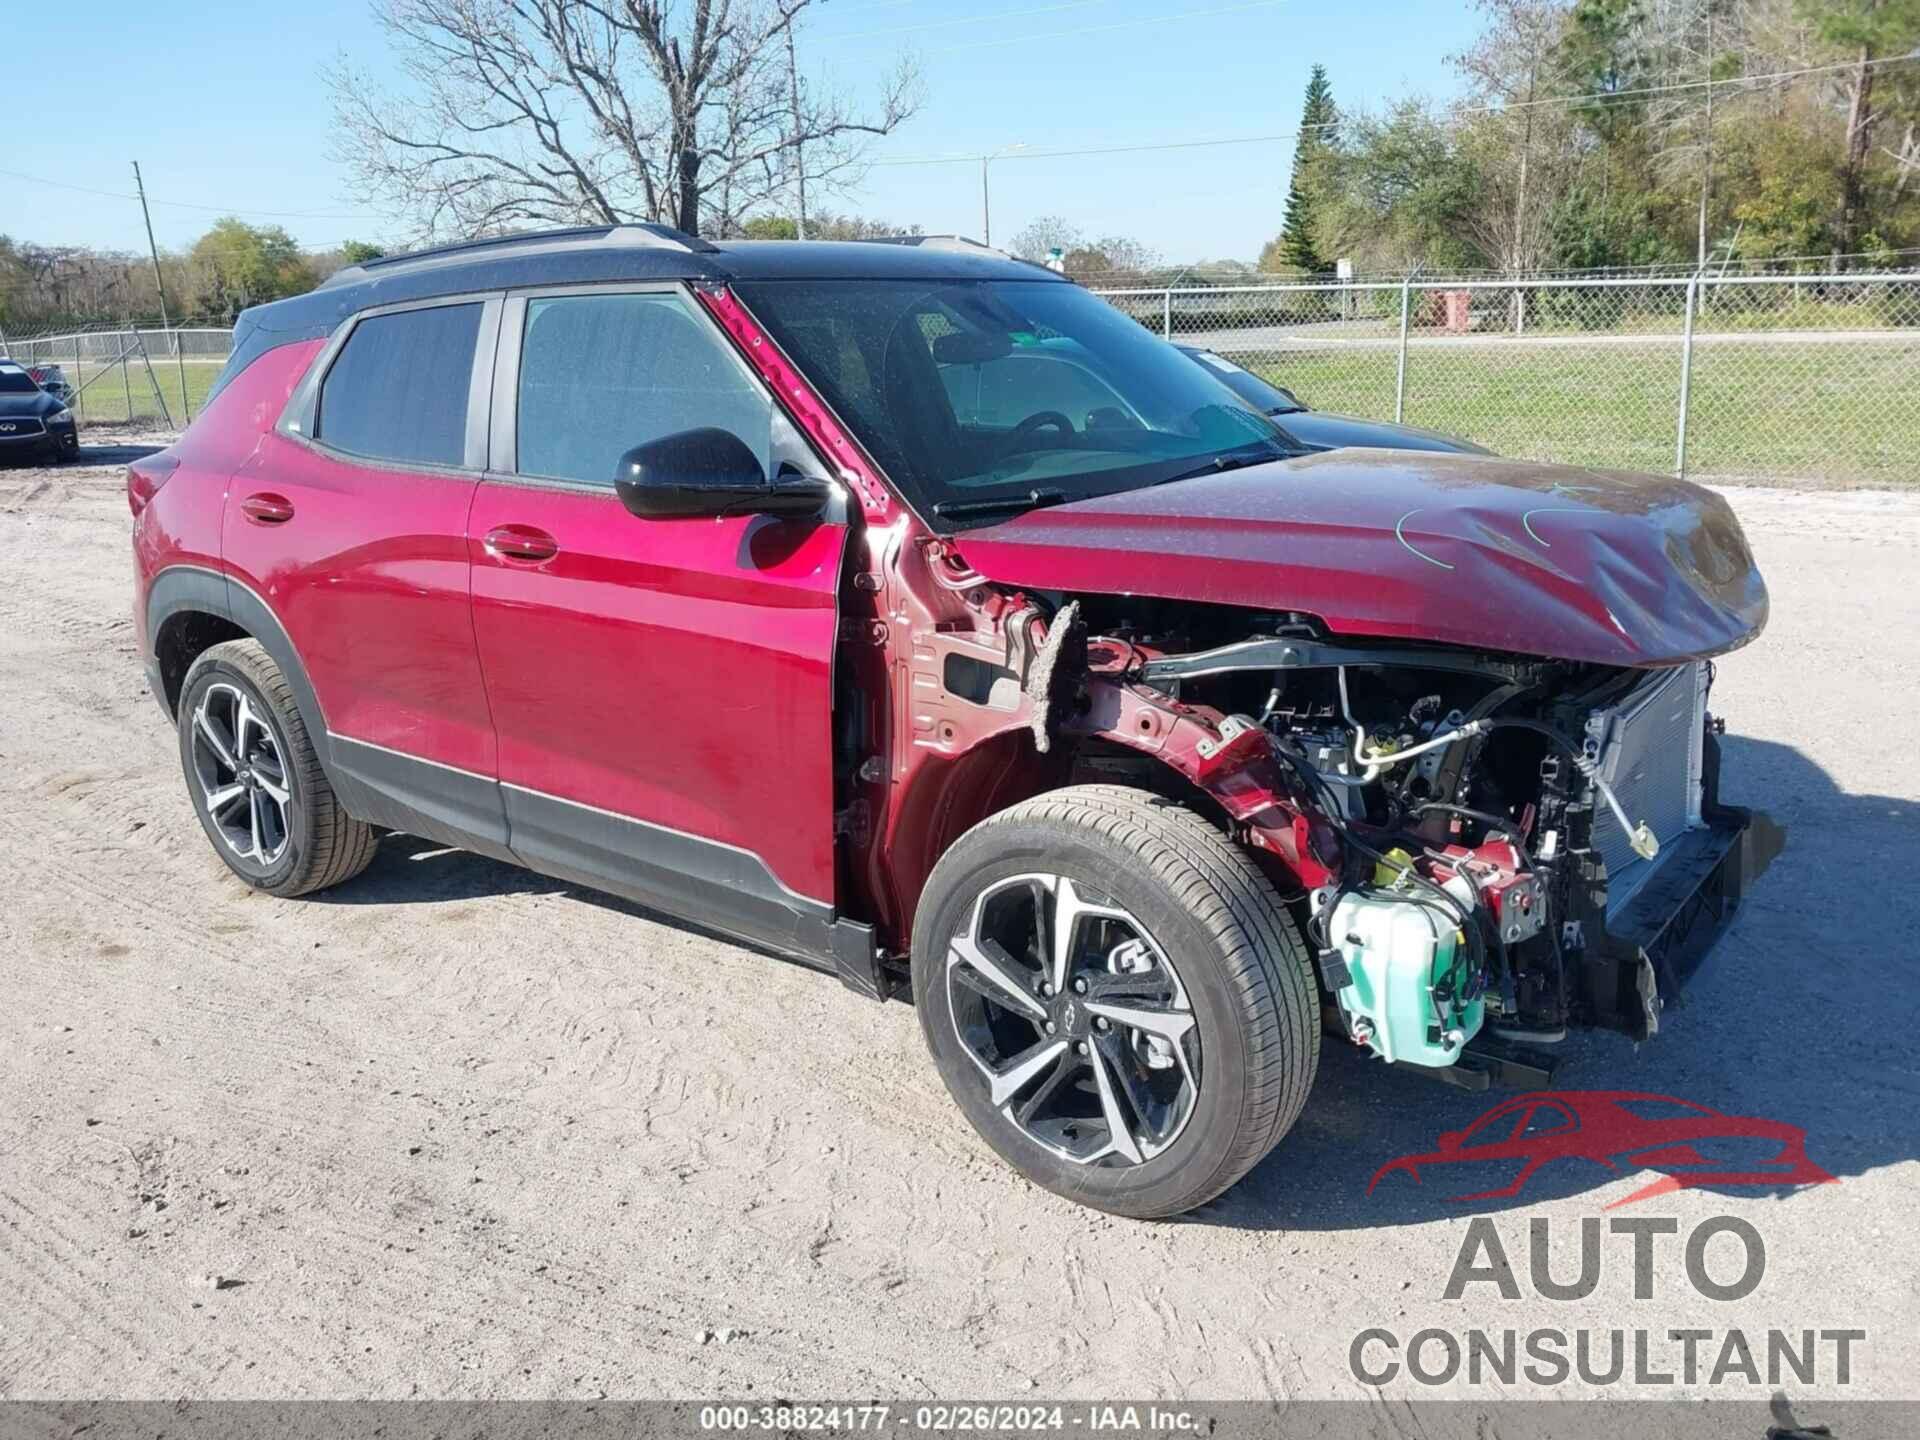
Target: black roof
(626, 252)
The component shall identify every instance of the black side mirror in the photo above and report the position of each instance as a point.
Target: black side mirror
(708, 472)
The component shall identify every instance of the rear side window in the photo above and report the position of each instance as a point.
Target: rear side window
(600, 374)
(398, 389)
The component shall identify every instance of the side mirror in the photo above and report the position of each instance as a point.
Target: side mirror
(708, 472)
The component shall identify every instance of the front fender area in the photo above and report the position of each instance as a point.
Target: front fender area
(1221, 760)
(1226, 758)
(990, 702)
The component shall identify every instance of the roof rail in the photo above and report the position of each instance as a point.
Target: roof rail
(958, 243)
(652, 236)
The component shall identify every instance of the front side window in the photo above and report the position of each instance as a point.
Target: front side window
(398, 389)
(980, 396)
(600, 374)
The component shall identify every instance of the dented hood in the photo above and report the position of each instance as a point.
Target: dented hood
(1599, 566)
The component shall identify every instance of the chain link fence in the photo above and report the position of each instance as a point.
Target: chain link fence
(1721, 377)
(134, 377)
(1749, 377)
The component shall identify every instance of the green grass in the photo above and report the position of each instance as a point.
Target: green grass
(119, 394)
(1843, 414)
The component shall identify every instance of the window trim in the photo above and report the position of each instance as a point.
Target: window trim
(504, 439)
(297, 419)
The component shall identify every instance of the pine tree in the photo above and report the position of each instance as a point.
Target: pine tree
(1296, 237)
(1312, 150)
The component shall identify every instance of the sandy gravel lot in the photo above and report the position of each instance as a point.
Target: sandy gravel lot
(455, 1130)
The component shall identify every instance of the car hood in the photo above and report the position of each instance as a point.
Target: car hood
(1597, 566)
(39, 405)
(1325, 430)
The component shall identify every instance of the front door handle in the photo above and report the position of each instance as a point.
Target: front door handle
(265, 508)
(521, 543)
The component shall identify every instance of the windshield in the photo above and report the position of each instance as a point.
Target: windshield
(983, 397)
(15, 381)
(1267, 398)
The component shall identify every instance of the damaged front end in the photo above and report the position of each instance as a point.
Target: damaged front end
(1485, 849)
(1477, 752)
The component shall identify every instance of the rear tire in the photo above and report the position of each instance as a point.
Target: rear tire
(1181, 1012)
(255, 778)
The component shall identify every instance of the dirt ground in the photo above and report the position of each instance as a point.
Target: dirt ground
(458, 1131)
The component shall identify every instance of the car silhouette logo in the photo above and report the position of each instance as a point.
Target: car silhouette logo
(1621, 1130)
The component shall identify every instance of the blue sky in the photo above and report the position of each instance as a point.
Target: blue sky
(221, 101)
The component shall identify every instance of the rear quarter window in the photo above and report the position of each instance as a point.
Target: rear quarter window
(398, 389)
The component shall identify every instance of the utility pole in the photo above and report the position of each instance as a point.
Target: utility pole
(799, 145)
(986, 211)
(986, 208)
(160, 288)
(1706, 151)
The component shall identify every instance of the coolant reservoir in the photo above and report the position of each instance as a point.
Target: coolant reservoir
(1399, 950)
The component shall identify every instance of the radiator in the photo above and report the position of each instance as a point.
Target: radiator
(1650, 753)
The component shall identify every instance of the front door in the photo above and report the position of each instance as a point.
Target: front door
(661, 689)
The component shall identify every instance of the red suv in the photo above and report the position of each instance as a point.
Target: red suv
(906, 611)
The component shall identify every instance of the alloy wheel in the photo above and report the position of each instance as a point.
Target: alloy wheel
(1076, 1021)
(242, 775)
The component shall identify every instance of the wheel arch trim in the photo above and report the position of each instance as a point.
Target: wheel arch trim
(185, 589)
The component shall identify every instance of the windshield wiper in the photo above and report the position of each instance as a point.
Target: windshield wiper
(1230, 460)
(1032, 500)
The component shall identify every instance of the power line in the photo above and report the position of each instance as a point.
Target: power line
(961, 20)
(1116, 25)
(1125, 149)
(1690, 85)
(1294, 134)
(184, 204)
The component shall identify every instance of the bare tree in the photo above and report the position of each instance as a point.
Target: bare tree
(597, 112)
(1045, 234)
(1527, 159)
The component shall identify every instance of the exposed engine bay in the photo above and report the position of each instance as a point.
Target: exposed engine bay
(1465, 835)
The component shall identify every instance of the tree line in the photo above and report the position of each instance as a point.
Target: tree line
(48, 288)
(1594, 133)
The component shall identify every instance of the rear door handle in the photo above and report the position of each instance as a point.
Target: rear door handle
(521, 543)
(267, 509)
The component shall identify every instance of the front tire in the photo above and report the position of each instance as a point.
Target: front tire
(256, 781)
(1116, 998)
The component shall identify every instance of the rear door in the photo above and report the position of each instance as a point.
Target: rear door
(349, 525)
(661, 689)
